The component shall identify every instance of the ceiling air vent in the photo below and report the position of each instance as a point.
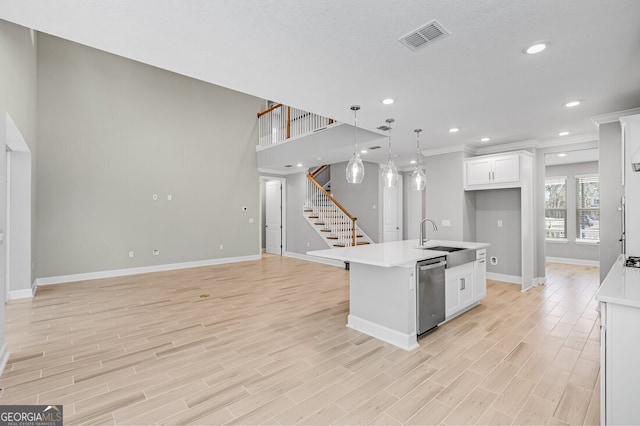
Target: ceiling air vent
(374, 147)
(424, 36)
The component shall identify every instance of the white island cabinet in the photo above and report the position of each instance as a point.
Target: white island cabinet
(619, 297)
(383, 281)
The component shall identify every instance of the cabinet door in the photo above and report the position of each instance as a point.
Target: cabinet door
(465, 284)
(452, 294)
(478, 172)
(506, 169)
(480, 279)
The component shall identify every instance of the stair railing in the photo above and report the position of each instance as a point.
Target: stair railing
(330, 212)
(281, 122)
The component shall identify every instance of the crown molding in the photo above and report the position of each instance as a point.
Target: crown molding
(512, 146)
(564, 140)
(448, 150)
(610, 117)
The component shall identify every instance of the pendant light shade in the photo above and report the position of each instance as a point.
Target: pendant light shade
(389, 174)
(389, 171)
(355, 168)
(418, 177)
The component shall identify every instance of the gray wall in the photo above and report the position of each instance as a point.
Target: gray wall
(361, 200)
(506, 242)
(611, 192)
(571, 249)
(113, 132)
(301, 237)
(18, 85)
(445, 197)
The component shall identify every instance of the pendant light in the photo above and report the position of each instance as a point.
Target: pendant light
(418, 178)
(355, 168)
(389, 170)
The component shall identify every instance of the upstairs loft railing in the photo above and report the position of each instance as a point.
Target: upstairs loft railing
(280, 123)
(332, 214)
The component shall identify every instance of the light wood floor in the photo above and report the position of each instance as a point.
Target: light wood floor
(265, 342)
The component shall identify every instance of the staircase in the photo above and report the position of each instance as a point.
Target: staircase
(336, 226)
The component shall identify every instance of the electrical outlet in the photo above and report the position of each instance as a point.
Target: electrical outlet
(250, 220)
(131, 253)
(221, 246)
(499, 224)
(155, 197)
(169, 197)
(494, 260)
(156, 252)
(244, 208)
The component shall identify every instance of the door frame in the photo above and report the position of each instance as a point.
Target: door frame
(283, 181)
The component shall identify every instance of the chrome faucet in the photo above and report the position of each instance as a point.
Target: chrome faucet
(423, 235)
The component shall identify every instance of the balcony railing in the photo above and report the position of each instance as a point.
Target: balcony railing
(281, 123)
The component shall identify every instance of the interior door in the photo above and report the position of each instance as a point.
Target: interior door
(273, 219)
(392, 212)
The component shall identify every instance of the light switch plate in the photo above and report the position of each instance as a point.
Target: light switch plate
(446, 222)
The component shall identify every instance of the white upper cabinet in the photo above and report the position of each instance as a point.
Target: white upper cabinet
(492, 171)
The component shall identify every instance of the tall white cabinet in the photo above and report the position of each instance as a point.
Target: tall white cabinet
(631, 144)
(619, 297)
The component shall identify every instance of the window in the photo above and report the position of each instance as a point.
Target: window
(555, 205)
(588, 208)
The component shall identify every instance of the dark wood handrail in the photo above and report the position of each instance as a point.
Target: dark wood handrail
(268, 110)
(340, 206)
(318, 170)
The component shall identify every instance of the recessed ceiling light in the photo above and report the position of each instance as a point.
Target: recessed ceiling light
(299, 165)
(453, 130)
(485, 139)
(564, 133)
(562, 154)
(363, 151)
(412, 162)
(387, 101)
(536, 47)
(572, 104)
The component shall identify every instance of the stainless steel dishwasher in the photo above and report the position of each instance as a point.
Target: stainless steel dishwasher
(430, 293)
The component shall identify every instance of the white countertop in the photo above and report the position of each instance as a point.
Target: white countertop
(391, 254)
(621, 286)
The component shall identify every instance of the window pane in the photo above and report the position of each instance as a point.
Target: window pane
(588, 192)
(588, 208)
(555, 198)
(555, 194)
(555, 221)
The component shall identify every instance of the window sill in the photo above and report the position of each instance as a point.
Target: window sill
(588, 242)
(556, 240)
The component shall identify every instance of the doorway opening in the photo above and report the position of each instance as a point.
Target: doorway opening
(16, 229)
(273, 215)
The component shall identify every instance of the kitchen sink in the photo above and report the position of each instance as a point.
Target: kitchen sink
(443, 248)
(457, 255)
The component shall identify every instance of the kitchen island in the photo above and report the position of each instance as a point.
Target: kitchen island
(383, 282)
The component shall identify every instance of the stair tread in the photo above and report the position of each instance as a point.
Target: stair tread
(358, 243)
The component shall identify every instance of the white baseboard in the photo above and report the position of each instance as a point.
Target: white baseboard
(514, 279)
(4, 357)
(404, 341)
(314, 259)
(569, 261)
(141, 270)
(21, 294)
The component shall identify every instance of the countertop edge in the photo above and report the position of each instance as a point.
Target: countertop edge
(612, 289)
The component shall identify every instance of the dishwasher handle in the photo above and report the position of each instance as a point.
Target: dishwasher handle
(432, 265)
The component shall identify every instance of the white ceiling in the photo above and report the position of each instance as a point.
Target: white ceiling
(324, 56)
